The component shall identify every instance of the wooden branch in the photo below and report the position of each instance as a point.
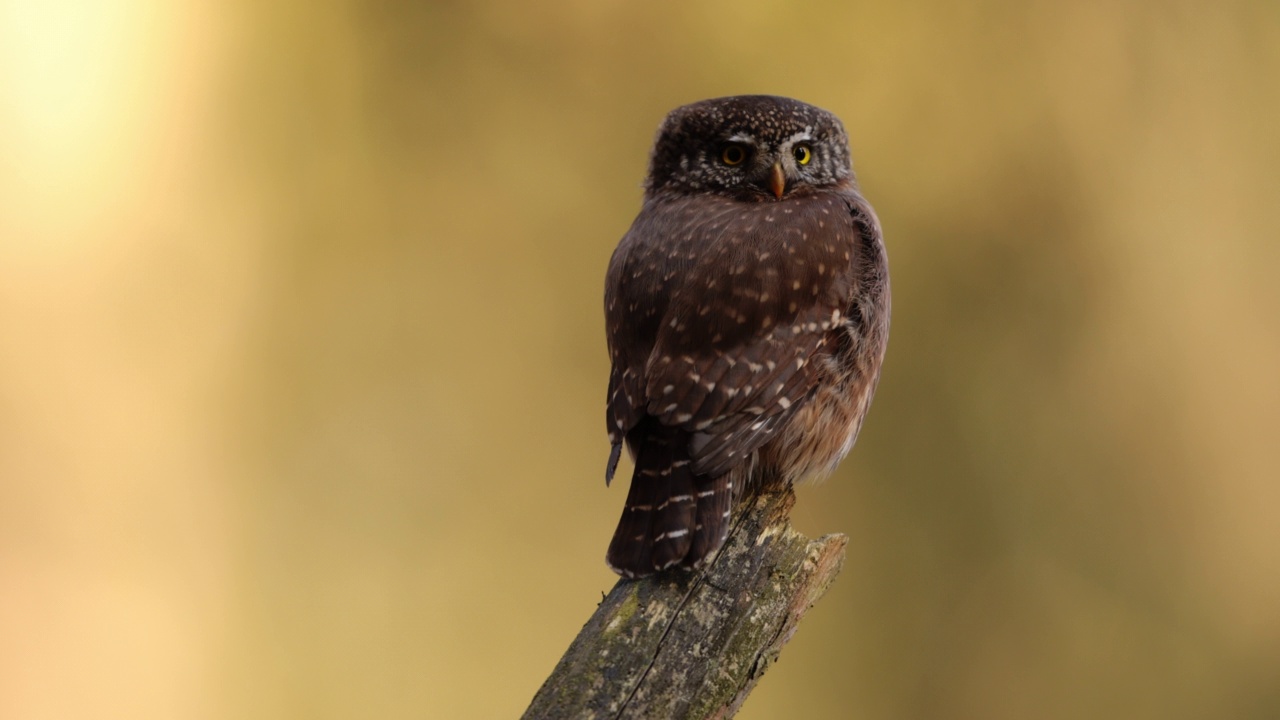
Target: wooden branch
(694, 644)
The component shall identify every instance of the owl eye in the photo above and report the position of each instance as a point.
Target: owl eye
(733, 155)
(803, 154)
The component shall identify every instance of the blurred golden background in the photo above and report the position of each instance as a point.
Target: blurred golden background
(302, 363)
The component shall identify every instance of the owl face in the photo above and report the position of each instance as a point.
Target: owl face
(751, 147)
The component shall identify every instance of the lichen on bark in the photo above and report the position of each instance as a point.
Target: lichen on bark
(694, 644)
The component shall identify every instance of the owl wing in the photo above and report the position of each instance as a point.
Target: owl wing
(739, 344)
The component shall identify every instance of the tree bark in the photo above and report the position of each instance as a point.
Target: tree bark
(693, 644)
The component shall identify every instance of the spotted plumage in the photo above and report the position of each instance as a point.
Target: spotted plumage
(747, 312)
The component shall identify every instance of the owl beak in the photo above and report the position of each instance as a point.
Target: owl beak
(777, 180)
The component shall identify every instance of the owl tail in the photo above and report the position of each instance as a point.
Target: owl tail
(672, 516)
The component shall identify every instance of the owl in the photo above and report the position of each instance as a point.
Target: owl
(747, 313)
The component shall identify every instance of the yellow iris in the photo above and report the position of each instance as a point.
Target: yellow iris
(733, 155)
(803, 154)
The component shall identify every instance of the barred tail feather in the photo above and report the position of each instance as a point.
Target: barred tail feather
(672, 516)
(715, 501)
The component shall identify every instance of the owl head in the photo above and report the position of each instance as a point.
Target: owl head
(748, 147)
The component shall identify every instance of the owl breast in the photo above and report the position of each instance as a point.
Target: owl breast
(823, 429)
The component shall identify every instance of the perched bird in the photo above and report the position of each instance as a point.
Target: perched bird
(747, 312)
